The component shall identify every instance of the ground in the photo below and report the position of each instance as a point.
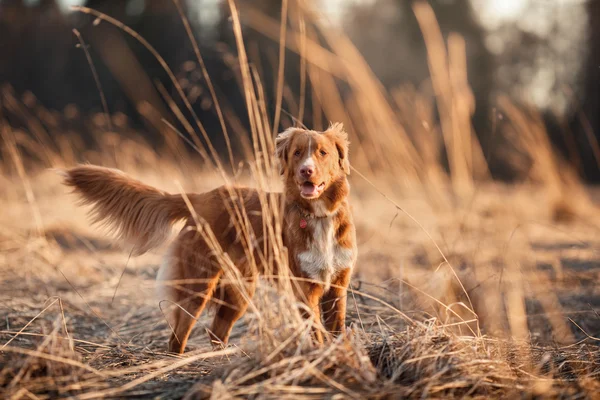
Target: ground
(79, 318)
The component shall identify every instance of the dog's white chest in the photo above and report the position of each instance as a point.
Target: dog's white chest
(324, 257)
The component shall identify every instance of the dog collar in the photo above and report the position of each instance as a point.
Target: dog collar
(305, 216)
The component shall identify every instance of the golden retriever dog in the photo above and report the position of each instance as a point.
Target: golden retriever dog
(316, 228)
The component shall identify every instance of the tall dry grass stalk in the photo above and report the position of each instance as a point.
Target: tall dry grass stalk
(454, 99)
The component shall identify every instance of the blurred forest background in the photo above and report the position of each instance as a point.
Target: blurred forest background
(543, 54)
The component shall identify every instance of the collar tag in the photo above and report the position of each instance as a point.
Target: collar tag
(303, 223)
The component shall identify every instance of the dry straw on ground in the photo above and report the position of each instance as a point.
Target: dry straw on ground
(464, 287)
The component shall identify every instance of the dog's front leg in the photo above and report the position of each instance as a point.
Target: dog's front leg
(333, 303)
(311, 294)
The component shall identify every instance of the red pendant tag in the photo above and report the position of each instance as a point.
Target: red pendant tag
(303, 223)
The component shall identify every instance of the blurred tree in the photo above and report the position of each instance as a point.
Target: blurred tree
(388, 35)
(540, 50)
(34, 58)
(585, 123)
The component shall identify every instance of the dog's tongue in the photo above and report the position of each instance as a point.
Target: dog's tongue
(308, 189)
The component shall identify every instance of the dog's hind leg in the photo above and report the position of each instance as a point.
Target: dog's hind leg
(233, 305)
(193, 274)
(193, 305)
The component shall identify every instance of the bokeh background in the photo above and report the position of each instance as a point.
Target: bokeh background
(542, 54)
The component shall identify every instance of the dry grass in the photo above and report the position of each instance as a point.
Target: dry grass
(464, 287)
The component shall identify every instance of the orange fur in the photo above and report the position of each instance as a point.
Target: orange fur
(317, 230)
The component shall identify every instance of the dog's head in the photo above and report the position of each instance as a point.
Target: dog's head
(312, 161)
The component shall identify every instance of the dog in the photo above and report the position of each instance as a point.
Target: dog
(315, 222)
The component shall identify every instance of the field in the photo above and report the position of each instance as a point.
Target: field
(464, 286)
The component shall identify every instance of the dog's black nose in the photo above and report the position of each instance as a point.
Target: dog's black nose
(306, 172)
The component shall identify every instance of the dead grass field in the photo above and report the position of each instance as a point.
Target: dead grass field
(464, 288)
(64, 334)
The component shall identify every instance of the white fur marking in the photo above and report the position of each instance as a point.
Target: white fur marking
(166, 273)
(343, 258)
(309, 161)
(324, 257)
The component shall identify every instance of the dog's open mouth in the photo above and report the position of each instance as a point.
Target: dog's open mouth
(310, 190)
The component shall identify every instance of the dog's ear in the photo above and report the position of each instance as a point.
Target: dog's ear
(340, 137)
(282, 147)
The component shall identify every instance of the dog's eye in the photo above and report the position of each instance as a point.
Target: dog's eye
(323, 152)
(297, 153)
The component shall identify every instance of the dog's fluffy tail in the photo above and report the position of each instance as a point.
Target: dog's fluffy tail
(138, 214)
